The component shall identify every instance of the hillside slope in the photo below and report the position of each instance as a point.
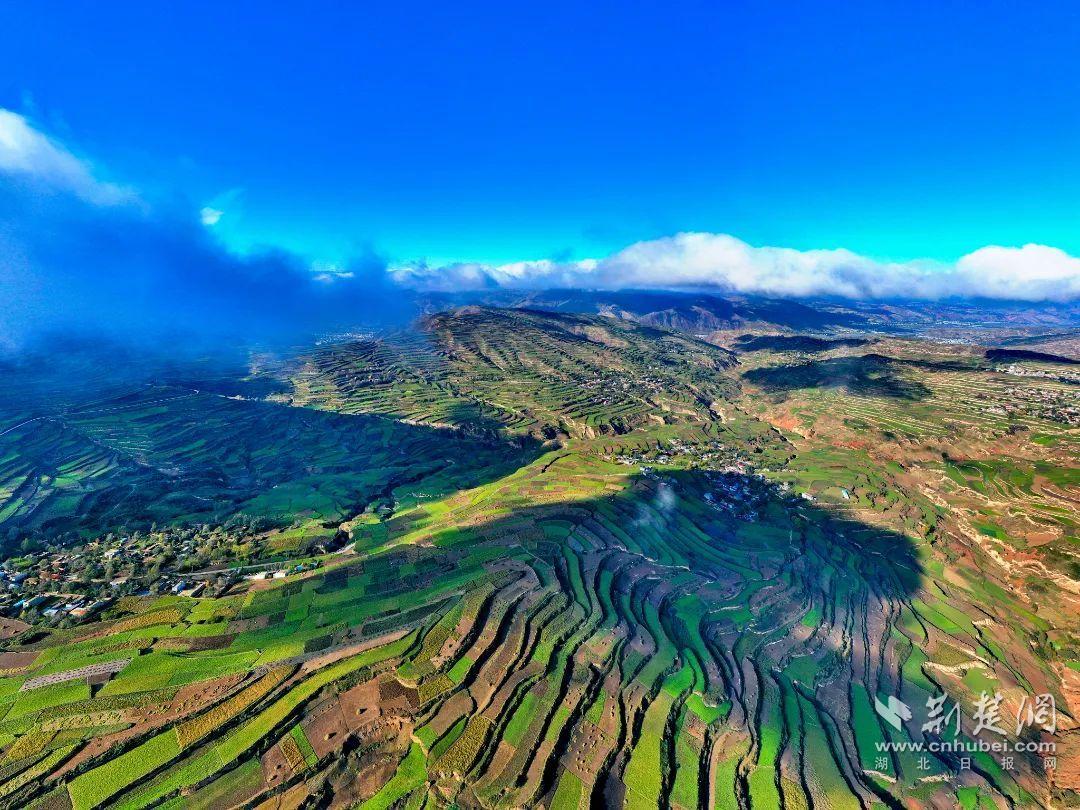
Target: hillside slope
(528, 371)
(596, 563)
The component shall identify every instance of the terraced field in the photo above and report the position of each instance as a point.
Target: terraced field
(655, 574)
(994, 447)
(524, 371)
(163, 454)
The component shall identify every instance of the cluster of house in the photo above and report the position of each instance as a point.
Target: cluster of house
(273, 572)
(1043, 403)
(714, 455)
(48, 584)
(736, 492)
(57, 606)
(184, 588)
(736, 488)
(57, 584)
(1058, 375)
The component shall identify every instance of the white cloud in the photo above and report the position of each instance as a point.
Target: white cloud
(31, 155)
(210, 216)
(725, 263)
(1032, 272)
(686, 260)
(80, 254)
(328, 272)
(227, 201)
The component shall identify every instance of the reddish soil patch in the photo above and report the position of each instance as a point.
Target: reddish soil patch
(196, 643)
(276, 768)
(694, 727)
(17, 660)
(360, 705)
(376, 769)
(188, 700)
(459, 705)
(327, 730)
(195, 696)
(11, 627)
(1067, 775)
(786, 422)
(587, 751)
(246, 625)
(498, 702)
(1041, 538)
(395, 696)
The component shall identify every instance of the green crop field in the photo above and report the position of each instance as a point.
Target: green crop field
(525, 559)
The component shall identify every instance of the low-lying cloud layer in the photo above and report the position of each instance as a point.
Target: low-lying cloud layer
(727, 264)
(78, 254)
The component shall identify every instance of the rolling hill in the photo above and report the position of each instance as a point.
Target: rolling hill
(544, 557)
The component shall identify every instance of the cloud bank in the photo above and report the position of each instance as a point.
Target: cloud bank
(78, 253)
(726, 264)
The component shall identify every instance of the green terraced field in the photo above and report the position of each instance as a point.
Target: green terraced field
(589, 563)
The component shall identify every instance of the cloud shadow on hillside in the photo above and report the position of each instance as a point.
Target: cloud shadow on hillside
(174, 455)
(871, 375)
(795, 343)
(809, 563)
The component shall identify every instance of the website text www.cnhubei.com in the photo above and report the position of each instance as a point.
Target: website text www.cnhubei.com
(967, 746)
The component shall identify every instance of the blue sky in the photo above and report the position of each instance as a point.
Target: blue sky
(234, 169)
(491, 133)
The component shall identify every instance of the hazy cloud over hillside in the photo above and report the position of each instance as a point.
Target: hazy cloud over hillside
(78, 253)
(725, 263)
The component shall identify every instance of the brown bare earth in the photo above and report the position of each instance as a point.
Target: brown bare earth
(11, 627)
(189, 700)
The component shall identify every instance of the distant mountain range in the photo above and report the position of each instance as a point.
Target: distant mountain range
(707, 312)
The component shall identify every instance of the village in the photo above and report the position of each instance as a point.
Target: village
(69, 586)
